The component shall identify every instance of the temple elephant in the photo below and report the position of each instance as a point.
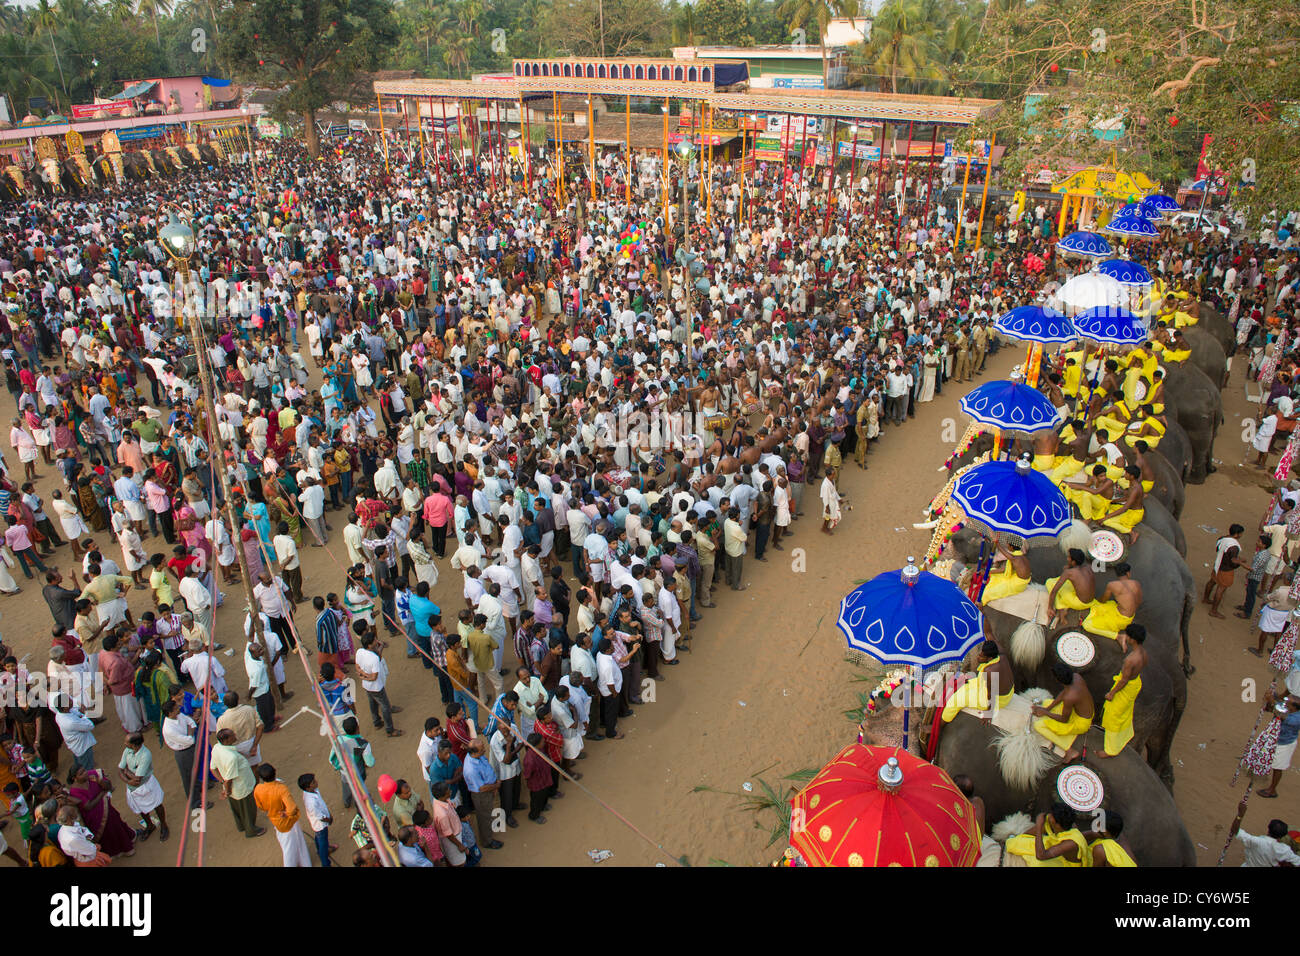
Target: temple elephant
(1168, 488)
(1207, 354)
(208, 154)
(1153, 826)
(12, 183)
(1168, 599)
(1216, 324)
(135, 166)
(1176, 445)
(1197, 405)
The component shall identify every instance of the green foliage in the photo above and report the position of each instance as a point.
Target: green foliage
(770, 804)
(723, 22)
(314, 49)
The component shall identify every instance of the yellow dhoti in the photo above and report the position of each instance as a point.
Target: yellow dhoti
(1147, 486)
(1091, 506)
(1117, 718)
(1025, 846)
(1111, 424)
(1066, 465)
(1003, 584)
(1126, 521)
(1105, 619)
(1044, 462)
(1116, 855)
(975, 695)
(1182, 319)
(1063, 732)
(1066, 598)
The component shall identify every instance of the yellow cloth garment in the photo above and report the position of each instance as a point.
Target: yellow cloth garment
(1091, 506)
(1131, 379)
(1066, 465)
(1116, 855)
(1044, 462)
(1184, 319)
(1113, 424)
(1063, 732)
(1152, 440)
(1117, 718)
(1147, 486)
(1003, 584)
(1105, 619)
(1126, 521)
(1066, 597)
(1158, 409)
(1025, 846)
(974, 694)
(1072, 379)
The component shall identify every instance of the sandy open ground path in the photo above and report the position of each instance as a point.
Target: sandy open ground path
(762, 693)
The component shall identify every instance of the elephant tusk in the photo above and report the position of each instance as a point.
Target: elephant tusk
(926, 526)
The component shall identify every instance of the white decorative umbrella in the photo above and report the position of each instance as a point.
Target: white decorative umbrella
(1092, 290)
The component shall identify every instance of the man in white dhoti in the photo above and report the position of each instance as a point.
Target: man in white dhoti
(144, 794)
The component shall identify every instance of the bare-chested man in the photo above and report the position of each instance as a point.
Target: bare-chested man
(1130, 512)
(1068, 714)
(1117, 606)
(1117, 719)
(1074, 590)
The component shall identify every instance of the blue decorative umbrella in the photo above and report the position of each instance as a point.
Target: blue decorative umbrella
(1009, 497)
(1011, 406)
(1110, 325)
(910, 617)
(1084, 244)
(1161, 203)
(1133, 227)
(1126, 272)
(1133, 209)
(1035, 323)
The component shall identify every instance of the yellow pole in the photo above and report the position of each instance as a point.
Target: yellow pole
(627, 143)
(667, 108)
(708, 176)
(591, 145)
(988, 174)
(382, 134)
(740, 211)
(961, 203)
(559, 142)
(1060, 220)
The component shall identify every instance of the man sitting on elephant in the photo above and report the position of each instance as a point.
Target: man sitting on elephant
(1053, 841)
(1075, 589)
(1105, 845)
(1130, 513)
(1008, 580)
(1117, 717)
(1068, 714)
(991, 688)
(1117, 606)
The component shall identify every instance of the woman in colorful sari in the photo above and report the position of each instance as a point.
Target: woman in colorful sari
(252, 549)
(88, 503)
(257, 513)
(91, 791)
(65, 438)
(153, 685)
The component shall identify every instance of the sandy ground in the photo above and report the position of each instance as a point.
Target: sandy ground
(762, 694)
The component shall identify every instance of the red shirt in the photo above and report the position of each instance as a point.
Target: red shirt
(552, 740)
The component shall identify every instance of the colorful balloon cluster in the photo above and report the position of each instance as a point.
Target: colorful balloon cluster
(629, 240)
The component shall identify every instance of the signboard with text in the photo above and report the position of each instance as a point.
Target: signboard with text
(863, 151)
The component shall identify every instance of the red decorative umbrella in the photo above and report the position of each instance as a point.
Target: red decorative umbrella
(882, 806)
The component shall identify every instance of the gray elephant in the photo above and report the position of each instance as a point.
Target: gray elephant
(1207, 354)
(1168, 600)
(1213, 321)
(1195, 402)
(1153, 826)
(135, 166)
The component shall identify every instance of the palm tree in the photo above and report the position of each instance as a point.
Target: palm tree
(47, 17)
(801, 14)
(153, 9)
(902, 44)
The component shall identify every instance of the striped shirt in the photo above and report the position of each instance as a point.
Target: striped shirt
(327, 631)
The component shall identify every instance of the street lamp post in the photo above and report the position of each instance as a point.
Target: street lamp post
(178, 239)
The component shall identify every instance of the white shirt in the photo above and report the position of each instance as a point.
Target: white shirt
(505, 771)
(286, 552)
(77, 730)
(1265, 851)
(197, 597)
(270, 598)
(178, 732)
(316, 808)
(313, 501)
(608, 673)
(199, 665)
(372, 663)
(74, 840)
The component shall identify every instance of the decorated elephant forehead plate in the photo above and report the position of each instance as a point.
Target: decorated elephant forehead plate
(1080, 788)
(1106, 546)
(1075, 649)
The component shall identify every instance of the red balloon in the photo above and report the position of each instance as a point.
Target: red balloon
(387, 787)
(1053, 67)
(1173, 121)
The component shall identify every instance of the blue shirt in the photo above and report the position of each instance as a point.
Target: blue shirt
(1290, 729)
(444, 771)
(479, 773)
(420, 609)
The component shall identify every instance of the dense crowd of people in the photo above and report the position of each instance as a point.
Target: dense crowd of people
(468, 377)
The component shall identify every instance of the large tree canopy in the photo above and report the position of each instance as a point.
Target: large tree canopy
(1161, 73)
(315, 48)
